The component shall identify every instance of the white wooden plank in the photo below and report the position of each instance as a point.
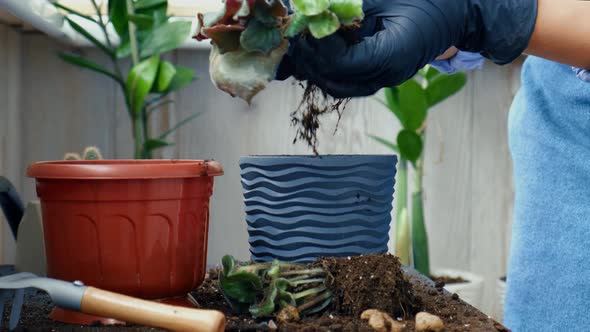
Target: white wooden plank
(491, 176)
(65, 108)
(10, 126)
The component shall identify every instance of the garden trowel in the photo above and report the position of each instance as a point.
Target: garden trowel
(89, 300)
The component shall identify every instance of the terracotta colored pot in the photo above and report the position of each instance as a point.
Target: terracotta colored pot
(137, 227)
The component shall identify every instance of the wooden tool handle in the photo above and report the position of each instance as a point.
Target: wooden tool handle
(107, 304)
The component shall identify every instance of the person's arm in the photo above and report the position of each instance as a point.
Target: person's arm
(562, 32)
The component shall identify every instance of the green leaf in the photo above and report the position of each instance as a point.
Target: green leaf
(413, 105)
(229, 263)
(241, 286)
(74, 12)
(166, 74)
(324, 24)
(87, 64)
(392, 101)
(118, 16)
(155, 143)
(298, 24)
(264, 15)
(259, 38)
(140, 81)
(410, 145)
(348, 11)
(180, 124)
(145, 4)
(267, 306)
(385, 142)
(124, 50)
(183, 77)
(444, 86)
(157, 9)
(90, 38)
(430, 73)
(142, 21)
(166, 37)
(310, 7)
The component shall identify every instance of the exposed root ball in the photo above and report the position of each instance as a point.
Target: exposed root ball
(354, 282)
(306, 118)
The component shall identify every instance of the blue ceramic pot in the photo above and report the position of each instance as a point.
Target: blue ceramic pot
(299, 208)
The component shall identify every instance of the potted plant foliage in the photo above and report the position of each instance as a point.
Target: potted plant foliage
(145, 32)
(137, 227)
(410, 103)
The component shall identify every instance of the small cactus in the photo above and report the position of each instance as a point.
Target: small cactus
(90, 153)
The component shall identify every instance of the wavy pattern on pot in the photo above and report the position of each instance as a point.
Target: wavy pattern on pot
(300, 207)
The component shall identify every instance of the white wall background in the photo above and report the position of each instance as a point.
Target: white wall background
(48, 108)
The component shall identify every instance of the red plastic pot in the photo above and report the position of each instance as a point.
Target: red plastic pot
(136, 227)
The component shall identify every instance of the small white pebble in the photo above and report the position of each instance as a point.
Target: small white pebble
(348, 257)
(372, 276)
(331, 316)
(272, 325)
(467, 325)
(361, 277)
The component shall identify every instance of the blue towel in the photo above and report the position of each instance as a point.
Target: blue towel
(549, 271)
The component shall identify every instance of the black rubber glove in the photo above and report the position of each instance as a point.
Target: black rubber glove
(402, 36)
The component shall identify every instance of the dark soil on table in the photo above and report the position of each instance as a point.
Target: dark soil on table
(377, 284)
(446, 280)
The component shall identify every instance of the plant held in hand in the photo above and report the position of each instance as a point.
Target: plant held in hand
(145, 32)
(266, 289)
(249, 37)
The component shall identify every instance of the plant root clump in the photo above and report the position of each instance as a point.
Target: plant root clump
(306, 118)
(355, 281)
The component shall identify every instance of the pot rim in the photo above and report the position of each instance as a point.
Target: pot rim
(278, 156)
(123, 169)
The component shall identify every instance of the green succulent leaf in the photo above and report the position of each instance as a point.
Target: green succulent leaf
(241, 287)
(413, 105)
(264, 15)
(154, 8)
(140, 81)
(87, 64)
(298, 24)
(228, 263)
(74, 12)
(166, 74)
(118, 16)
(146, 4)
(348, 11)
(142, 21)
(324, 24)
(90, 37)
(166, 37)
(385, 142)
(260, 38)
(392, 101)
(430, 73)
(442, 87)
(182, 78)
(267, 306)
(410, 145)
(310, 7)
(155, 143)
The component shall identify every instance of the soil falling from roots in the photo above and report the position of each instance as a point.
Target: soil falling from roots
(306, 118)
(370, 282)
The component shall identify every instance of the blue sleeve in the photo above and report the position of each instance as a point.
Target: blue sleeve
(462, 61)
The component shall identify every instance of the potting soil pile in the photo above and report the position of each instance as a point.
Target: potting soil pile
(357, 283)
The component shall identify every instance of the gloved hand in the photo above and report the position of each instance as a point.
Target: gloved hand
(462, 61)
(405, 36)
(582, 74)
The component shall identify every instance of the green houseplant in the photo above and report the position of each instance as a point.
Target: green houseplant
(145, 32)
(410, 102)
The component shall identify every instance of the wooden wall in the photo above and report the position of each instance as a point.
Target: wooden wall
(48, 108)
